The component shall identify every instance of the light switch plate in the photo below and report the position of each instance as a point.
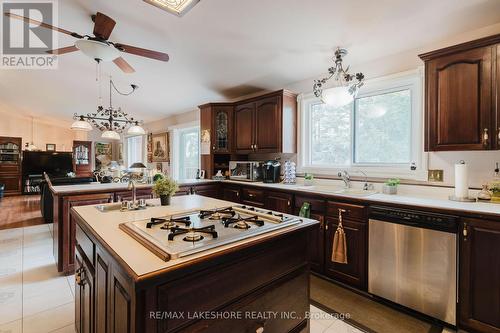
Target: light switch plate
(435, 175)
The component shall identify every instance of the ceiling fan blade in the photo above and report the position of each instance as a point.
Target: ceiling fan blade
(124, 65)
(63, 50)
(143, 52)
(42, 24)
(103, 25)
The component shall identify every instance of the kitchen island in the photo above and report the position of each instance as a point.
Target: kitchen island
(255, 284)
(64, 197)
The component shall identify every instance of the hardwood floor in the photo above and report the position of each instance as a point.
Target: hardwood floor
(20, 211)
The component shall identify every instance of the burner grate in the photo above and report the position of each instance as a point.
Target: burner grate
(239, 222)
(192, 233)
(217, 214)
(169, 223)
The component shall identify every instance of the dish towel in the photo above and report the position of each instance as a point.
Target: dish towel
(339, 251)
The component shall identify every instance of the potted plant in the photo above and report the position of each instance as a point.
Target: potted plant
(391, 186)
(308, 179)
(495, 191)
(165, 188)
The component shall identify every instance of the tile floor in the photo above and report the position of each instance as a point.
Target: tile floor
(34, 297)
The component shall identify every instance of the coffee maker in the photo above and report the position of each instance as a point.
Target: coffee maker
(271, 171)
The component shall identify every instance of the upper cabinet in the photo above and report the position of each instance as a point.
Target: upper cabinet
(460, 84)
(266, 124)
(82, 158)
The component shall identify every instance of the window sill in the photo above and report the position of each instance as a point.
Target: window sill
(372, 173)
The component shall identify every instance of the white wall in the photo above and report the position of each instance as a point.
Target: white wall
(44, 131)
(481, 163)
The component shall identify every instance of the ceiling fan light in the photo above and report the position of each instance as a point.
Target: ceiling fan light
(176, 7)
(337, 97)
(97, 50)
(81, 125)
(136, 130)
(111, 135)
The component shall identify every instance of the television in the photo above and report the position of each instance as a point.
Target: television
(53, 163)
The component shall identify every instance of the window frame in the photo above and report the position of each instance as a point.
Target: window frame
(126, 147)
(412, 80)
(175, 147)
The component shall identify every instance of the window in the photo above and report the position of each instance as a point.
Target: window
(135, 152)
(379, 133)
(186, 153)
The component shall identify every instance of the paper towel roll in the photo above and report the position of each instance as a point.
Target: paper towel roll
(461, 180)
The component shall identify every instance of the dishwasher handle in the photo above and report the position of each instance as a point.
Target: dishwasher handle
(415, 218)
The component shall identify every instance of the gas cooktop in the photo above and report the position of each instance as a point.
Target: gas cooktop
(171, 237)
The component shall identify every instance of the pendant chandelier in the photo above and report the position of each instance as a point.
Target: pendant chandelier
(111, 121)
(346, 85)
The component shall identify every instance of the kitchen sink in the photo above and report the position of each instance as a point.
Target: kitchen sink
(356, 192)
(109, 207)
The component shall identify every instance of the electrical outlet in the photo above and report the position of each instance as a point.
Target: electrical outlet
(435, 175)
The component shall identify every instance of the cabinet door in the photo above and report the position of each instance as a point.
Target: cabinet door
(244, 127)
(479, 286)
(222, 129)
(459, 101)
(231, 194)
(353, 273)
(84, 282)
(316, 246)
(268, 125)
(12, 183)
(252, 197)
(102, 272)
(211, 191)
(278, 201)
(497, 103)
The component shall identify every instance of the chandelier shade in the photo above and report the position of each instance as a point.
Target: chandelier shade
(81, 125)
(111, 135)
(346, 85)
(136, 130)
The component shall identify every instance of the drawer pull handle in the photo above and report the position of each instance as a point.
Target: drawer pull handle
(499, 135)
(251, 195)
(465, 232)
(289, 203)
(259, 330)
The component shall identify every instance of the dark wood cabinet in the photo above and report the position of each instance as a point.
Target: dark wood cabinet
(279, 201)
(231, 193)
(354, 273)
(355, 223)
(461, 113)
(244, 125)
(82, 158)
(252, 196)
(266, 124)
(211, 191)
(10, 164)
(479, 282)
(316, 245)
(84, 295)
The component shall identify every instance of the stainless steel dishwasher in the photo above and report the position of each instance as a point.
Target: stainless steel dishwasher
(412, 260)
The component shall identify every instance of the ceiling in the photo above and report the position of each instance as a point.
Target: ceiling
(223, 49)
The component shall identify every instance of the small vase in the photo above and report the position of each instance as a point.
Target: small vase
(165, 200)
(389, 189)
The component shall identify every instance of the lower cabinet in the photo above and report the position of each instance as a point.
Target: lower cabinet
(252, 197)
(279, 201)
(354, 273)
(230, 193)
(479, 277)
(316, 246)
(211, 191)
(84, 294)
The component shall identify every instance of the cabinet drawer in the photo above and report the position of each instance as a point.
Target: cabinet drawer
(285, 296)
(356, 212)
(85, 244)
(317, 205)
(252, 196)
(9, 168)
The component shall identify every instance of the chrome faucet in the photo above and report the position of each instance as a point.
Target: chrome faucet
(131, 186)
(345, 178)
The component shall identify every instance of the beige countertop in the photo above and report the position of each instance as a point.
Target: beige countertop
(80, 188)
(137, 257)
(411, 195)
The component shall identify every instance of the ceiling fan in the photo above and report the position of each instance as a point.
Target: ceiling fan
(97, 46)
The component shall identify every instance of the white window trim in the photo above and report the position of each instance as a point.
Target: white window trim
(410, 79)
(174, 154)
